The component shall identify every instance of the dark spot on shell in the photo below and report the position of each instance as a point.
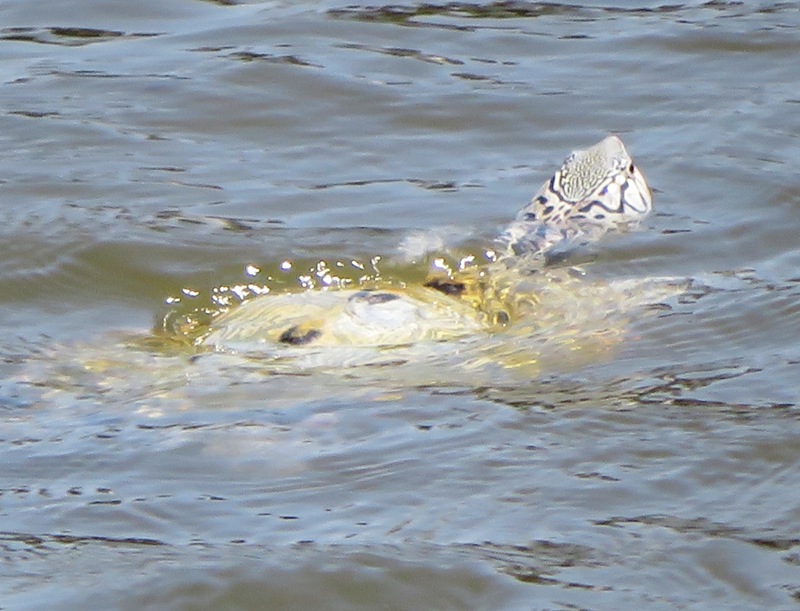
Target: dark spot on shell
(297, 336)
(547, 211)
(375, 298)
(530, 217)
(446, 286)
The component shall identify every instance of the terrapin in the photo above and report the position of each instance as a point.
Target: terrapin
(595, 191)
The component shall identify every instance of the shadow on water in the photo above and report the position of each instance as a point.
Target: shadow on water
(65, 36)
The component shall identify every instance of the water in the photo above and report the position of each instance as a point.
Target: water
(154, 152)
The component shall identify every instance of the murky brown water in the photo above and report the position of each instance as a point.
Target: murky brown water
(157, 152)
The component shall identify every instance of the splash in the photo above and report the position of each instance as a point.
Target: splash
(192, 309)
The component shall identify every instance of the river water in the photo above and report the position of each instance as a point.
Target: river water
(159, 156)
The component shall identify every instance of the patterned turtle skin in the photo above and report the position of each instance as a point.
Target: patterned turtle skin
(595, 191)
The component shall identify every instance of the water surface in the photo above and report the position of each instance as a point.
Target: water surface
(154, 153)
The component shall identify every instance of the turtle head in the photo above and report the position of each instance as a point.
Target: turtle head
(596, 190)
